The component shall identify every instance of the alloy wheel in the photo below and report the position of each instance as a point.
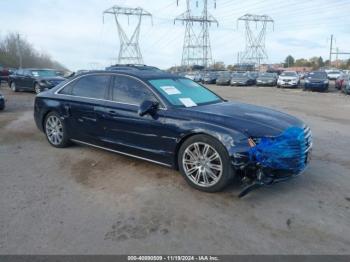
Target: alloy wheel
(202, 164)
(37, 89)
(54, 130)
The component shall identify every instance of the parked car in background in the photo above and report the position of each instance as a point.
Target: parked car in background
(341, 81)
(195, 76)
(190, 75)
(288, 79)
(4, 74)
(242, 79)
(254, 74)
(209, 77)
(301, 75)
(316, 81)
(33, 79)
(175, 122)
(333, 74)
(224, 78)
(346, 88)
(2, 102)
(266, 79)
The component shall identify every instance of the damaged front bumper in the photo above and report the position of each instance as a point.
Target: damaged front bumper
(272, 160)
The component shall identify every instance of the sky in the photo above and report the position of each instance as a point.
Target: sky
(73, 32)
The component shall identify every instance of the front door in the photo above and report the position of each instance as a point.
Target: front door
(147, 136)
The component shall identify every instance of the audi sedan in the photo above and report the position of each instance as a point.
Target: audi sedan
(175, 122)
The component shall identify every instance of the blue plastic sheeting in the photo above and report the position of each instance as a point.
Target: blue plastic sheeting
(286, 152)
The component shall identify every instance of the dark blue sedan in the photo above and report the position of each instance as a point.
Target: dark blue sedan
(175, 122)
(316, 81)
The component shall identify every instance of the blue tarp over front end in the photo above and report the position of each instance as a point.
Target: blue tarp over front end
(285, 152)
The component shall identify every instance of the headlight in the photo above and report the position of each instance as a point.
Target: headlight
(307, 81)
(326, 82)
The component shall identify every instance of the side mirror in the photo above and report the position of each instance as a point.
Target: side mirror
(148, 107)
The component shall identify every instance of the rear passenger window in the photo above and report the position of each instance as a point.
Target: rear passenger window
(130, 91)
(91, 86)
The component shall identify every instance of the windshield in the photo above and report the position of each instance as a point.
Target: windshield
(44, 73)
(289, 74)
(334, 72)
(269, 75)
(184, 92)
(225, 74)
(319, 75)
(240, 75)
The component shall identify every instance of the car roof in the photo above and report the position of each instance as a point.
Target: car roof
(141, 74)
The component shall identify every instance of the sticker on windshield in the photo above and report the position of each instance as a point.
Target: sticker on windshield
(170, 90)
(187, 102)
(34, 73)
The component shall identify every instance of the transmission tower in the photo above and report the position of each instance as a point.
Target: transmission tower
(255, 50)
(129, 52)
(196, 47)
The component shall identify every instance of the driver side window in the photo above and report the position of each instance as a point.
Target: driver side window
(130, 91)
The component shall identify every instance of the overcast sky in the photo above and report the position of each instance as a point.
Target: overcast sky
(72, 32)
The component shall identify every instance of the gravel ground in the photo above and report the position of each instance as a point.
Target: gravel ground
(81, 200)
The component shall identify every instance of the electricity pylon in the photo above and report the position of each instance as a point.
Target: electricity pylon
(196, 47)
(255, 49)
(129, 52)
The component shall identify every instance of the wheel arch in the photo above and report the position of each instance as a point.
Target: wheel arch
(214, 135)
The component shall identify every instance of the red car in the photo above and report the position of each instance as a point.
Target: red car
(5, 73)
(341, 81)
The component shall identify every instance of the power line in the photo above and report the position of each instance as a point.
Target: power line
(129, 52)
(196, 47)
(255, 50)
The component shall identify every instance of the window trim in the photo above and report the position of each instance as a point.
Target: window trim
(71, 88)
(110, 94)
(112, 74)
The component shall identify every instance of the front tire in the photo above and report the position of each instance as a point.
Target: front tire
(205, 164)
(14, 87)
(55, 130)
(37, 89)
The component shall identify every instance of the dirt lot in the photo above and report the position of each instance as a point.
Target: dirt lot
(86, 201)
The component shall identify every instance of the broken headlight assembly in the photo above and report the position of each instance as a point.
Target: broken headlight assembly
(275, 159)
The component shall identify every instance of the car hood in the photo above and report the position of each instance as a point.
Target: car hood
(315, 79)
(239, 79)
(266, 79)
(254, 121)
(224, 78)
(288, 78)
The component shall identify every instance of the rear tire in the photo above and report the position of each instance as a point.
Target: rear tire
(55, 130)
(205, 164)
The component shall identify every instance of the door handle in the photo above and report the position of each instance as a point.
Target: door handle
(112, 113)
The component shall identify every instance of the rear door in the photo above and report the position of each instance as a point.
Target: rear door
(28, 80)
(86, 106)
(18, 78)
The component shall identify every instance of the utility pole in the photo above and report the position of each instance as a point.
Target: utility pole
(330, 52)
(196, 47)
(129, 52)
(19, 51)
(337, 53)
(255, 49)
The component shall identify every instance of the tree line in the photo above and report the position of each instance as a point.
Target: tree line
(314, 62)
(16, 51)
